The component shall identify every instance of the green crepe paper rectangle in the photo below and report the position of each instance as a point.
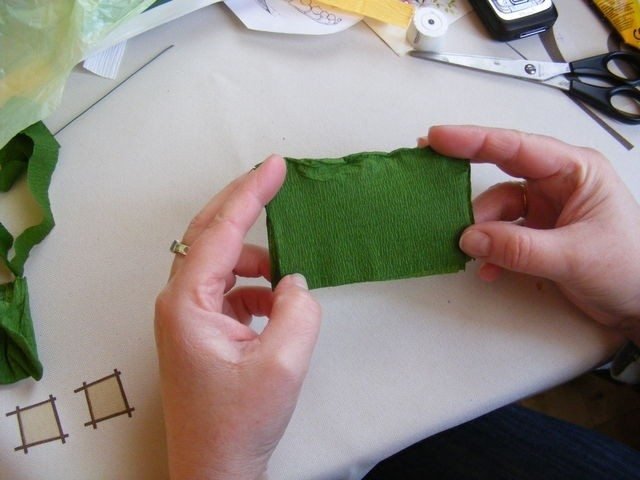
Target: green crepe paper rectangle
(370, 216)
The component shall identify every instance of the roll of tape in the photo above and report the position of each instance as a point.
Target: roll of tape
(427, 29)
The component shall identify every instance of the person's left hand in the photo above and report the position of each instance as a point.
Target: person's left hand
(229, 392)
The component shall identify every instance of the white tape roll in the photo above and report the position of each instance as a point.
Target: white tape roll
(427, 29)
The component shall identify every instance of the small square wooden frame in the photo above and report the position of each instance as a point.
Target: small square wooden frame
(105, 413)
(25, 435)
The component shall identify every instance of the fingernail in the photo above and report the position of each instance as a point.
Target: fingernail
(475, 243)
(423, 142)
(266, 160)
(299, 281)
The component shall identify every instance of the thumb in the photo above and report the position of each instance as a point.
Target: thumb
(521, 249)
(294, 322)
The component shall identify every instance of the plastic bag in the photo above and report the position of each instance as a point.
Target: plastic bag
(40, 42)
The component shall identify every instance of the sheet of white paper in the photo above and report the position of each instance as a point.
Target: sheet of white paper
(304, 17)
(106, 63)
(149, 19)
(396, 37)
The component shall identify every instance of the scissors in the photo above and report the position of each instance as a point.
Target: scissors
(566, 76)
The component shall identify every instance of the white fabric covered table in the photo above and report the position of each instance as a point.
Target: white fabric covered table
(396, 361)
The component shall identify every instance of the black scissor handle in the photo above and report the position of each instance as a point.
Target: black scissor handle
(601, 98)
(598, 66)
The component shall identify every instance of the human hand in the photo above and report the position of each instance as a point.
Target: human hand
(573, 222)
(228, 392)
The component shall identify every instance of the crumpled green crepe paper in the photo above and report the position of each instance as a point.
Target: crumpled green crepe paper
(370, 216)
(17, 340)
(40, 42)
(35, 151)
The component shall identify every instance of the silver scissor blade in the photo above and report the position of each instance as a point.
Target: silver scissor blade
(526, 69)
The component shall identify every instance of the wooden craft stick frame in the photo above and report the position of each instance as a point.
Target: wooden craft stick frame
(95, 420)
(19, 411)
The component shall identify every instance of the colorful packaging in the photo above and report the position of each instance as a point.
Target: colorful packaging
(624, 15)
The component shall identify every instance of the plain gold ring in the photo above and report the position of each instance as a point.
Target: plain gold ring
(525, 201)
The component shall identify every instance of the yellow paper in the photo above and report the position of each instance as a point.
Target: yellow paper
(624, 15)
(394, 12)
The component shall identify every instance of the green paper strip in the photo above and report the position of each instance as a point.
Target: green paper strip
(36, 148)
(35, 151)
(369, 217)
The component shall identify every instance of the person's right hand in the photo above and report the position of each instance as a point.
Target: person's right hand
(581, 227)
(229, 391)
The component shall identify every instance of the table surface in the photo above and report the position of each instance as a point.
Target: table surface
(396, 361)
